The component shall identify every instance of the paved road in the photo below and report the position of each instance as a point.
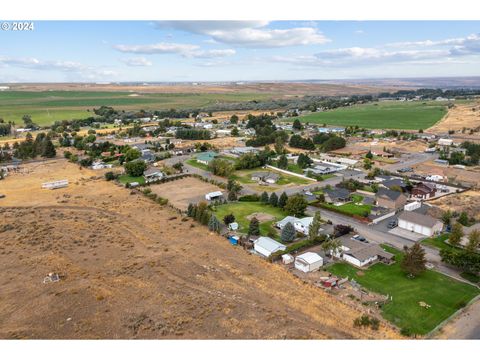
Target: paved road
(410, 160)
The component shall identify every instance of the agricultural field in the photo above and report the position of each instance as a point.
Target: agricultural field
(444, 294)
(243, 211)
(45, 107)
(132, 269)
(382, 115)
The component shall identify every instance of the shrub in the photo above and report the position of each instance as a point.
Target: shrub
(249, 198)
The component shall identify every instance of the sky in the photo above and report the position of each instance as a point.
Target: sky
(199, 51)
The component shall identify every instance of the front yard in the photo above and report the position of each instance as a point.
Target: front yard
(243, 209)
(444, 294)
(123, 179)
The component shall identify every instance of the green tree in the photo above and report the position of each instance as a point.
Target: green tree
(135, 168)
(214, 224)
(463, 218)
(369, 155)
(273, 199)
(228, 219)
(132, 154)
(254, 227)
(331, 246)
(234, 119)
(297, 125)
(414, 261)
(264, 198)
(282, 162)
(190, 210)
(304, 161)
(315, 226)
(279, 145)
(288, 233)
(109, 176)
(473, 241)
(49, 150)
(282, 201)
(296, 205)
(235, 132)
(446, 217)
(456, 234)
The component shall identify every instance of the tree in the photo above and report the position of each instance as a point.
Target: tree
(49, 150)
(473, 241)
(314, 227)
(369, 155)
(234, 119)
(463, 218)
(279, 145)
(264, 198)
(414, 261)
(446, 217)
(273, 199)
(282, 162)
(254, 227)
(228, 219)
(233, 188)
(135, 168)
(297, 125)
(367, 164)
(466, 260)
(304, 161)
(288, 233)
(456, 234)
(132, 154)
(296, 205)
(190, 210)
(178, 166)
(109, 176)
(331, 246)
(235, 132)
(214, 224)
(282, 201)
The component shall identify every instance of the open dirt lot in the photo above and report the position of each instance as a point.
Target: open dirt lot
(182, 192)
(469, 175)
(132, 269)
(458, 117)
(468, 201)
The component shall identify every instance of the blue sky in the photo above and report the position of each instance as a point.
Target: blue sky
(59, 51)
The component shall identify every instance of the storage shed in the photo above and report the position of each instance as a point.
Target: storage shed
(308, 262)
(267, 246)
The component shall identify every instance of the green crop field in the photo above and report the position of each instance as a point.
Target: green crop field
(382, 115)
(444, 294)
(45, 107)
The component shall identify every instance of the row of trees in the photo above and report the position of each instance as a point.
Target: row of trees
(299, 142)
(41, 146)
(193, 134)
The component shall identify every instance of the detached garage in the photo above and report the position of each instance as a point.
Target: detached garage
(419, 223)
(308, 262)
(267, 246)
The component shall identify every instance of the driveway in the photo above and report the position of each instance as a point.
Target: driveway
(410, 235)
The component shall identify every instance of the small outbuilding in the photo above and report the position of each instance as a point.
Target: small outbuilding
(267, 246)
(213, 195)
(308, 262)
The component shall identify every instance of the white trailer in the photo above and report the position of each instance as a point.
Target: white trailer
(51, 185)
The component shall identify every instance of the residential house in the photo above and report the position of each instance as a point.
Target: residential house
(419, 223)
(288, 219)
(267, 246)
(153, 174)
(302, 225)
(423, 191)
(308, 262)
(361, 254)
(206, 157)
(337, 196)
(390, 199)
(268, 177)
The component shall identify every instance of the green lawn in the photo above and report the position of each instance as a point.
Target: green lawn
(412, 115)
(438, 242)
(129, 179)
(444, 294)
(45, 107)
(352, 208)
(244, 177)
(195, 163)
(295, 168)
(243, 209)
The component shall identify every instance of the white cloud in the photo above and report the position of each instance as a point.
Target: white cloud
(252, 34)
(137, 61)
(84, 71)
(185, 50)
(458, 46)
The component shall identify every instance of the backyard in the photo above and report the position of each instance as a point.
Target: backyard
(124, 179)
(355, 207)
(244, 177)
(241, 210)
(443, 294)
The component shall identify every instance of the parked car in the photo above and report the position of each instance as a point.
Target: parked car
(392, 224)
(405, 169)
(359, 238)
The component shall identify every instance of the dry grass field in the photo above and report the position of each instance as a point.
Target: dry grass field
(470, 175)
(133, 269)
(468, 201)
(458, 117)
(182, 192)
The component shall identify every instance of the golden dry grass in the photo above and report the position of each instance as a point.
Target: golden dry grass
(134, 269)
(458, 117)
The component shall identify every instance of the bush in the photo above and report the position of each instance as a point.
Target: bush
(249, 198)
(109, 176)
